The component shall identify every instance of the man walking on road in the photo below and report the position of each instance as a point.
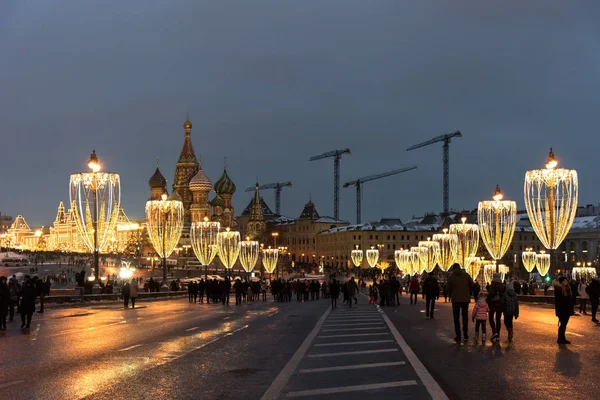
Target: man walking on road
(431, 289)
(352, 289)
(460, 286)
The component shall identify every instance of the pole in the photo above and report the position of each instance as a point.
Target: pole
(358, 205)
(96, 255)
(446, 176)
(336, 187)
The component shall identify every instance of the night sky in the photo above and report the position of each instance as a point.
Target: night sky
(268, 84)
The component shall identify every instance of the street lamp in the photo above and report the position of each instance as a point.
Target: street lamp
(205, 241)
(165, 224)
(275, 235)
(497, 221)
(467, 241)
(551, 201)
(96, 220)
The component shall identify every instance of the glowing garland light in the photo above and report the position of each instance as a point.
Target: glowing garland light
(488, 272)
(108, 194)
(473, 266)
(429, 257)
(542, 261)
(164, 223)
(382, 266)
(497, 221)
(418, 266)
(503, 270)
(229, 247)
(447, 246)
(529, 259)
(204, 237)
(401, 260)
(372, 257)
(584, 273)
(551, 201)
(269, 259)
(467, 241)
(357, 257)
(249, 250)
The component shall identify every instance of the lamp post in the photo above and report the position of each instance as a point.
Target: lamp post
(165, 224)
(497, 220)
(205, 241)
(275, 235)
(97, 220)
(551, 201)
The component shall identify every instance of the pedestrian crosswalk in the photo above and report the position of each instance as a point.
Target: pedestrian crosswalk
(354, 352)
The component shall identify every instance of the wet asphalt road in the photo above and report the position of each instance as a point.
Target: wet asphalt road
(533, 366)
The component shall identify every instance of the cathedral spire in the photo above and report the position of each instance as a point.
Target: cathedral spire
(256, 213)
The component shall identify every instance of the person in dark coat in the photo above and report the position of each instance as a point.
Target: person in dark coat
(495, 300)
(334, 289)
(431, 288)
(593, 291)
(201, 290)
(125, 292)
(476, 290)
(238, 288)
(517, 286)
(226, 291)
(28, 295)
(4, 301)
(563, 305)
(40, 286)
(525, 288)
(460, 286)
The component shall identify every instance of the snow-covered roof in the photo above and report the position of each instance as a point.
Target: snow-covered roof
(592, 222)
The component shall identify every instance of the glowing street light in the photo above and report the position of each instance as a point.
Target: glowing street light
(357, 257)
(429, 256)
(95, 199)
(204, 236)
(249, 250)
(497, 221)
(229, 247)
(542, 261)
(447, 249)
(467, 241)
(372, 256)
(269, 259)
(529, 259)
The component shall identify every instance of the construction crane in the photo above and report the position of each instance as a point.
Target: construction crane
(337, 155)
(358, 183)
(278, 187)
(446, 139)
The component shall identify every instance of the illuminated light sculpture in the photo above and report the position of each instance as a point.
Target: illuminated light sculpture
(164, 223)
(372, 256)
(542, 262)
(497, 221)
(503, 270)
(400, 260)
(467, 241)
(412, 262)
(229, 247)
(529, 259)
(126, 272)
(429, 257)
(447, 249)
(249, 251)
(418, 267)
(473, 266)
(269, 259)
(551, 201)
(584, 272)
(357, 257)
(205, 241)
(95, 199)
(382, 266)
(488, 272)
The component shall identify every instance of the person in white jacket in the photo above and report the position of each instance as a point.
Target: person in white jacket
(583, 297)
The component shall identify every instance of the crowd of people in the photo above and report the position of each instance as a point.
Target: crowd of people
(21, 297)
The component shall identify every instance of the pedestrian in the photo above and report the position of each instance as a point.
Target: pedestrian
(28, 295)
(495, 300)
(480, 316)
(238, 288)
(511, 309)
(431, 288)
(476, 290)
(593, 292)
(15, 293)
(525, 288)
(4, 302)
(263, 290)
(334, 287)
(414, 289)
(352, 290)
(574, 293)
(583, 297)
(460, 286)
(126, 294)
(563, 305)
(133, 291)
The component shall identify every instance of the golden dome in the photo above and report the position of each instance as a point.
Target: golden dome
(187, 124)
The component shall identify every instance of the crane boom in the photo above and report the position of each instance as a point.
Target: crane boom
(436, 139)
(277, 186)
(337, 155)
(358, 183)
(333, 153)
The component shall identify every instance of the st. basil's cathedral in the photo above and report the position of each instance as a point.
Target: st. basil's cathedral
(192, 187)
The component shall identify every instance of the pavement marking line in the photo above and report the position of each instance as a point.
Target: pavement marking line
(192, 329)
(277, 386)
(352, 335)
(131, 347)
(354, 324)
(434, 389)
(352, 343)
(348, 353)
(9, 384)
(353, 318)
(349, 367)
(354, 388)
(352, 329)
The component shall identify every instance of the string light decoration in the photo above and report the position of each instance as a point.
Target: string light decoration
(382, 266)
(357, 257)
(249, 250)
(497, 221)
(467, 241)
(269, 259)
(95, 199)
(429, 257)
(418, 267)
(584, 273)
(447, 249)
(164, 222)
(503, 270)
(542, 262)
(473, 266)
(400, 259)
(372, 256)
(551, 201)
(488, 272)
(205, 240)
(229, 247)
(529, 259)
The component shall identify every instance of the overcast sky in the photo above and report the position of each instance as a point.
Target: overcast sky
(270, 83)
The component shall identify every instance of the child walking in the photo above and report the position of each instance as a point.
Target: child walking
(511, 309)
(480, 316)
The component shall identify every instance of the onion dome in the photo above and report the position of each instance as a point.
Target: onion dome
(217, 202)
(157, 180)
(187, 124)
(225, 185)
(200, 182)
